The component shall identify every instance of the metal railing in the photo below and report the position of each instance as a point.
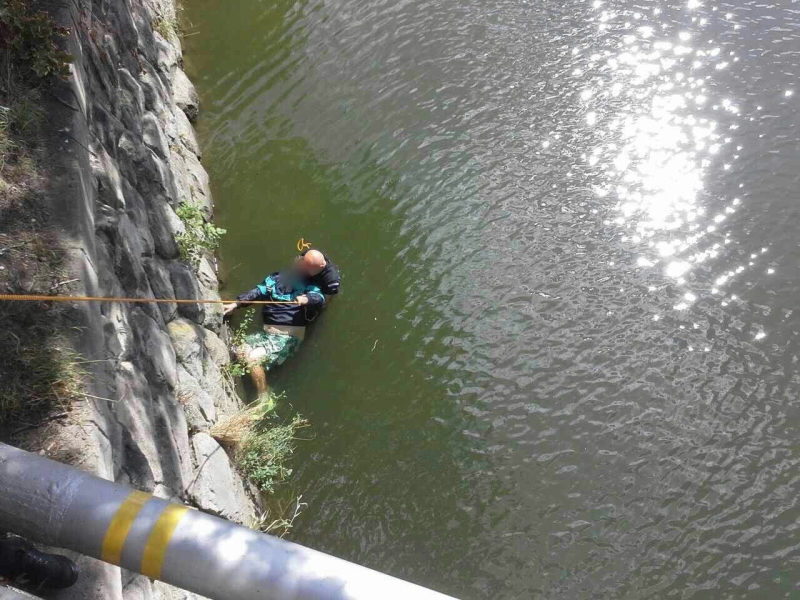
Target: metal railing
(54, 504)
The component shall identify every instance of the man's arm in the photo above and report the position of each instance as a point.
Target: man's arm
(331, 287)
(331, 281)
(260, 292)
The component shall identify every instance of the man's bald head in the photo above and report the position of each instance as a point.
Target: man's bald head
(313, 262)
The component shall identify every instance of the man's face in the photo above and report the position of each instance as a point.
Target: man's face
(305, 266)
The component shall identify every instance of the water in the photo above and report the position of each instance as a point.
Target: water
(565, 362)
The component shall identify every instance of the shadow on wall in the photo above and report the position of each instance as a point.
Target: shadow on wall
(39, 375)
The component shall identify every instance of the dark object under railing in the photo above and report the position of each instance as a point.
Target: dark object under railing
(21, 562)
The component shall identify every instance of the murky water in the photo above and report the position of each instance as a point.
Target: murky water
(565, 363)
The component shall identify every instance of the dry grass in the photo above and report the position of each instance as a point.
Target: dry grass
(167, 27)
(234, 430)
(39, 374)
(279, 517)
(20, 121)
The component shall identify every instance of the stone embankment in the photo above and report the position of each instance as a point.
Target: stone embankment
(122, 157)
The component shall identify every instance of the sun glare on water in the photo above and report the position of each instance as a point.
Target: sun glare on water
(654, 113)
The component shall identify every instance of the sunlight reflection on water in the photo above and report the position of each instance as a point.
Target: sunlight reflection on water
(659, 145)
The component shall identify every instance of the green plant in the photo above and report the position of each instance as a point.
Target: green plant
(38, 369)
(30, 40)
(265, 449)
(240, 367)
(260, 441)
(199, 236)
(24, 113)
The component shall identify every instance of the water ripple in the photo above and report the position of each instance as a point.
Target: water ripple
(574, 223)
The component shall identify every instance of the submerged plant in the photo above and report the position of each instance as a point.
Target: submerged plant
(275, 520)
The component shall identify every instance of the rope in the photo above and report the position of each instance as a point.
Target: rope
(42, 298)
(301, 245)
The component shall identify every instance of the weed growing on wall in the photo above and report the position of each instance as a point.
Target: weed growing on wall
(264, 452)
(199, 237)
(261, 441)
(168, 28)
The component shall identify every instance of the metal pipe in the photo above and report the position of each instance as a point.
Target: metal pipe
(54, 504)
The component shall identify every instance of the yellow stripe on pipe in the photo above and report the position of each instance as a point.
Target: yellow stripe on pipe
(120, 526)
(156, 546)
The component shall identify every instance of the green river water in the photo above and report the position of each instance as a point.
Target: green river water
(564, 361)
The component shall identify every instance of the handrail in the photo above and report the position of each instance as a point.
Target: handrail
(54, 504)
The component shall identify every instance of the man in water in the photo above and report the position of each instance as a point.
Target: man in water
(304, 289)
(320, 271)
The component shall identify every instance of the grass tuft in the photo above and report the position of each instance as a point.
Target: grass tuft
(263, 455)
(261, 442)
(233, 430)
(40, 373)
(169, 28)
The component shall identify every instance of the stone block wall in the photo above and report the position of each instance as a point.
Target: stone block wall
(123, 155)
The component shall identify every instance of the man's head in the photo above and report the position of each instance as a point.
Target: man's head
(311, 263)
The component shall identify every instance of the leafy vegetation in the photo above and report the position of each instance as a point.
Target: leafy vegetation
(200, 236)
(30, 39)
(261, 441)
(264, 452)
(38, 372)
(29, 53)
(240, 367)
